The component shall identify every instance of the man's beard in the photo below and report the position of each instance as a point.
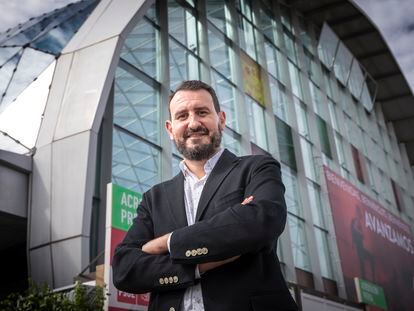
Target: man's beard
(202, 151)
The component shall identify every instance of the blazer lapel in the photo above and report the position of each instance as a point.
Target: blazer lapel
(175, 200)
(223, 167)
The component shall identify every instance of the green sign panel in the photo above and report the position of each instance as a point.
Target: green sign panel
(124, 207)
(370, 293)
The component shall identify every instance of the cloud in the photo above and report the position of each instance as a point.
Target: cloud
(394, 19)
(22, 10)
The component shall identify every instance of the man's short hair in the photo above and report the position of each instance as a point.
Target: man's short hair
(195, 85)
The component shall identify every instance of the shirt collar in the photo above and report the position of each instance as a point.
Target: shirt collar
(208, 167)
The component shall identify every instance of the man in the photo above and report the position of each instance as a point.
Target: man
(205, 240)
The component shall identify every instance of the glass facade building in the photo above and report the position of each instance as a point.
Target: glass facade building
(290, 88)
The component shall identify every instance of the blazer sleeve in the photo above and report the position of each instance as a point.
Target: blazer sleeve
(135, 271)
(238, 229)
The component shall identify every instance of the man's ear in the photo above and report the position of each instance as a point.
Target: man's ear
(222, 120)
(168, 127)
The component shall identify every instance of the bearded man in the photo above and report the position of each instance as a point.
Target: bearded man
(206, 239)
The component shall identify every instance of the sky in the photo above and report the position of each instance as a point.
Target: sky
(394, 19)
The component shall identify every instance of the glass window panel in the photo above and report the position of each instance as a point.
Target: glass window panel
(7, 53)
(304, 35)
(226, 94)
(295, 80)
(290, 47)
(286, 18)
(182, 25)
(136, 106)
(285, 141)
(323, 136)
(279, 99)
(332, 113)
(366, 98)
(31, 64)
(328, 41)
(135, 164)
(183, 65)
(328, 85)
(292, 195)
(246, 36)
(6, 73)
(231, 141)
(256, 119)
(308, 159)
(267, 26)
(219, 54)
(339, 149)
(272, 59)
(302, 118)
(324, 254)
(219, 15)
(176, 164)
(356, 79)
(152, 13)
(141, 48)
(315, 204)
(317, 98)
(342, 64)
(244, 7)
(54, 40)
(299, 244)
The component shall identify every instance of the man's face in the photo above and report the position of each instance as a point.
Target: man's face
(195, 126)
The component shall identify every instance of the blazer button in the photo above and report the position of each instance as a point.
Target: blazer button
(194, 252)
(161, 281)
(188, 253)
(166, 281)
(199, 251)
(204, 250)
(172, 309)
(170, 279)
(175, 279)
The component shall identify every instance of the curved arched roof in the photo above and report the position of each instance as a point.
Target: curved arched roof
(366, 43)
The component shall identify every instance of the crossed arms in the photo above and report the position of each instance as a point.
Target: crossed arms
(140, 261)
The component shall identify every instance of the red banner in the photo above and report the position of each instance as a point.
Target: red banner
(373, 244)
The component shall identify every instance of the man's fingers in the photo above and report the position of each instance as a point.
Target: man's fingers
(247, 200)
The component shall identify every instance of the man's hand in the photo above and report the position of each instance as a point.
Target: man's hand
(157, 246)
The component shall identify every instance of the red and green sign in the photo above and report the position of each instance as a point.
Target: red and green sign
(373, 244)
(121, 210)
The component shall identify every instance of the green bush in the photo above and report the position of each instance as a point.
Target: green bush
(42, 298)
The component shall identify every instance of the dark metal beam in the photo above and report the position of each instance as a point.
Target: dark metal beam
(404, 119)
(387, 75)
(358, 33)
(396, 97)
(324, 7)
(372, 54)
(338, 21)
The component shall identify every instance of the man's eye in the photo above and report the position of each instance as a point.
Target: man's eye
(202, 113)
(181, 117)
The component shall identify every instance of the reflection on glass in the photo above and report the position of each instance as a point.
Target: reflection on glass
(315, 204)
(279, 99)
(182, 25)
(135, 164)
(272, 59)
(141, 48)
(219, 54)
(136, 106)
(231, 141)
(295, 80)
(298, 242)
(308, 159)
(323, 136)
(176, 164)
(292, 195)
(328, 42)
(324, 254)
(342, 65)
(356, 79)
(285, 141)
(256, 119)
(226, 95)
(302, 118)
(183, 65)
(218, 15)
(267, 26)
(246, 36)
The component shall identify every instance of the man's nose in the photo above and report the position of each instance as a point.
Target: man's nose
(194, 121)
